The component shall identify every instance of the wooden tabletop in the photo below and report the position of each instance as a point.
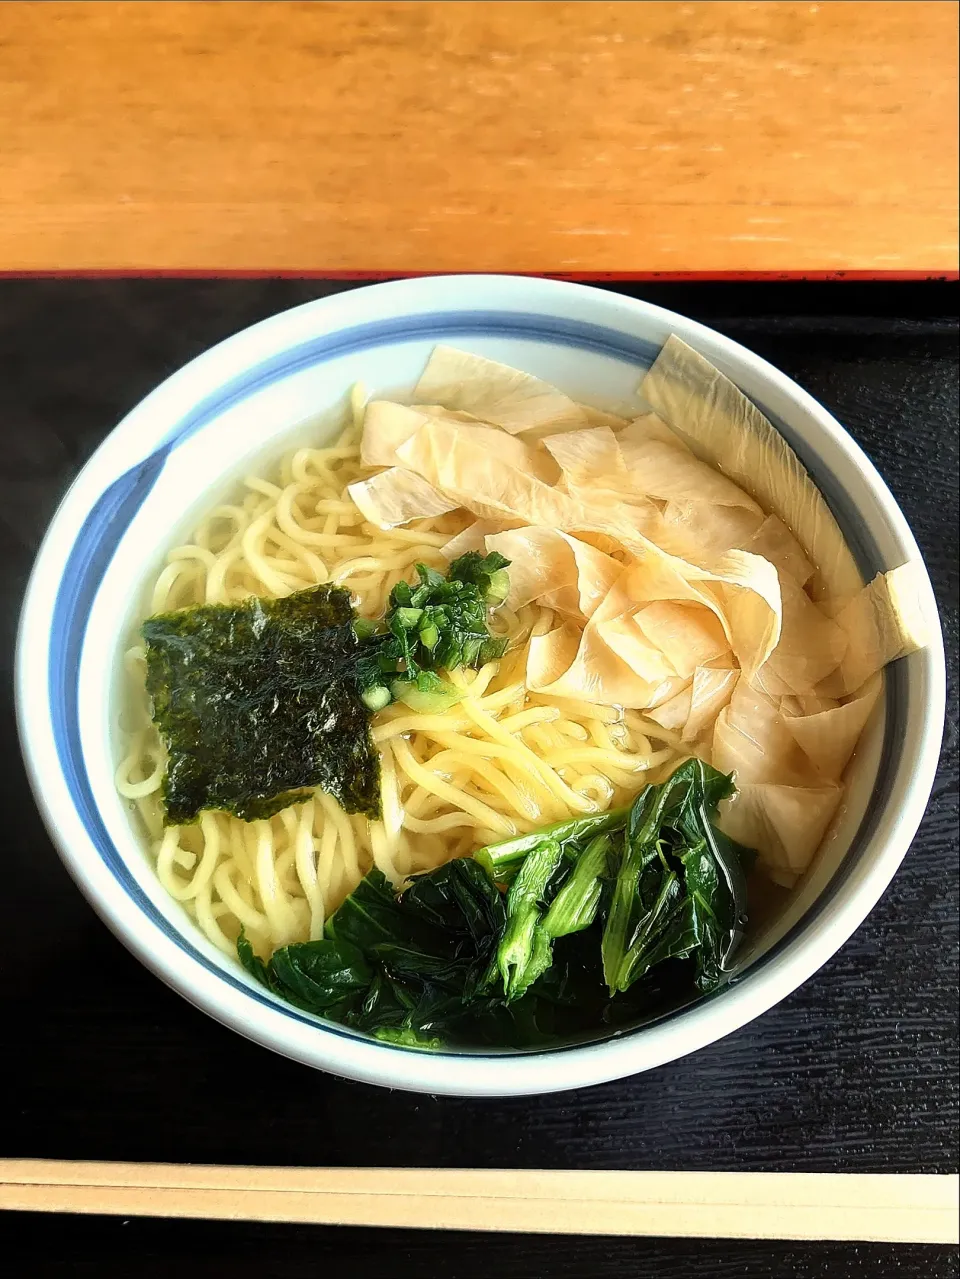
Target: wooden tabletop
(569, 138)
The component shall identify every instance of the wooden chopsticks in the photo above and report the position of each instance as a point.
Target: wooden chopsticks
(882, 1207)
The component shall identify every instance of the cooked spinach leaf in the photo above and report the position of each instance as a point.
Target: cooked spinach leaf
(252, 961)
(575, 905)
(409, 968)
(606, 920)
(524, 951)
(679, 890)
(323, 975)
(256, 704)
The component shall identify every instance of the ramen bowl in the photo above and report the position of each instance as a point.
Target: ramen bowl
(284, 382)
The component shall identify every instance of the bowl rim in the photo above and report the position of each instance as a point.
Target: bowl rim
(362, 1058)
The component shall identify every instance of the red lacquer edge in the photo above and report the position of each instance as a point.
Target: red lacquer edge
(623, 277)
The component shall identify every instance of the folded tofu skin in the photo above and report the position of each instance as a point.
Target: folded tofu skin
(694, 574)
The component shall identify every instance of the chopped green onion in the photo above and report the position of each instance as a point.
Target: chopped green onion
(430, 637)
(442, 624)
(492, 648)
(376, 697)
(471, 651)
(426, 701)
(408, 617)
(498, 587)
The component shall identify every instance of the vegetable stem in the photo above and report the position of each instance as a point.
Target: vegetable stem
(502, 859)
(524, 953)
(575, 905)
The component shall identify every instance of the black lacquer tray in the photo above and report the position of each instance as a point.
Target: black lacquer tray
(857, 1071)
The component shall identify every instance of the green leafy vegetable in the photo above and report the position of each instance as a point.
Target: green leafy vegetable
(679, 889)
(369, 916)
(485, 572)
(322, 975)
(252, 961)
(524, 950)
(606, 920)
(575, 905)
(439, 624)
(256, 705)
(675, 886)
(406, 1037)
(399, 967)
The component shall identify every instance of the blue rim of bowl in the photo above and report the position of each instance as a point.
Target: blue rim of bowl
(110, 516)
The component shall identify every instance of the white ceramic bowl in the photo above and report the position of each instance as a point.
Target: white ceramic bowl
(272, 385)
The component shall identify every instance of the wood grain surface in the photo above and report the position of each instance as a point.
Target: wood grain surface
(879, 1207)
(558, 137)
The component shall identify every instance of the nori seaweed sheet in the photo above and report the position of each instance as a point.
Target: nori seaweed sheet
(257, 703)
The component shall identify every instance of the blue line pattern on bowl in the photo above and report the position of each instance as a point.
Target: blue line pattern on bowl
(109, 518)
